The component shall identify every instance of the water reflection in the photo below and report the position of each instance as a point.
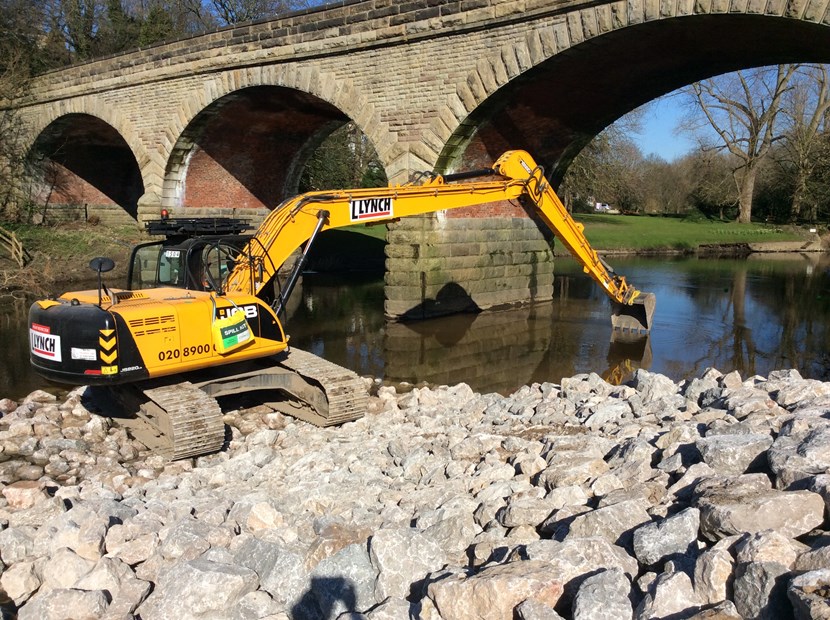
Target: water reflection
(755, 315)
(752, 315)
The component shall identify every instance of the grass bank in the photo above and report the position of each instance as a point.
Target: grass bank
(644, 233)
(76, 239)
(655, 234)
(61, 254)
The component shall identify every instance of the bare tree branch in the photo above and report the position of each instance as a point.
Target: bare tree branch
(742, 109)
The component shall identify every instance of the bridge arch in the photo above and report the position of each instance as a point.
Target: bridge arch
(618, 59)
(91, 159)
(297, 108)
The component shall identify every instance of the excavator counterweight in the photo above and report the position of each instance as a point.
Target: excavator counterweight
(202, 316)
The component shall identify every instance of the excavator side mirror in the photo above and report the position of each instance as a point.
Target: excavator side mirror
(101, 264)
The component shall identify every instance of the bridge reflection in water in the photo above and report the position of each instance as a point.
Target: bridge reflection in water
(494, 351)
(754, 316)
(498, 351)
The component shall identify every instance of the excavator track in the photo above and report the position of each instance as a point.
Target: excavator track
(189, 420)
(311, 388)
(177, 420)
(345, 391)
(184, 419)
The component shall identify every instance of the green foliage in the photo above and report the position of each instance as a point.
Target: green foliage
(607, 170)
(344, 160)
(157, 26)
(55, 33)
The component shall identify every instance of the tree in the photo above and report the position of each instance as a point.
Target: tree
(608, 170)
(806, 116)
(666, 188)
(157, 26)
(14, 73)
(79, 20)
(230, 12)
(743, 108)
(120, 30)
(345, 159)
(713, 191)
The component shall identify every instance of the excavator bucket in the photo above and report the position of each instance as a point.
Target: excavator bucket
(634, 318)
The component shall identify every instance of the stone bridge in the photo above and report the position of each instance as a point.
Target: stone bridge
(226, 121)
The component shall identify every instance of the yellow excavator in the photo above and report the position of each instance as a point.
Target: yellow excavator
(209, 325)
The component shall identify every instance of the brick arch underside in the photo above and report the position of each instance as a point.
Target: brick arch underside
(89, 163)
(247, 147)
(513, 102)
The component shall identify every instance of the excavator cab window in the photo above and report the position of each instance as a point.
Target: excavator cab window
(213, 261)
(155, 265)
(200, 263)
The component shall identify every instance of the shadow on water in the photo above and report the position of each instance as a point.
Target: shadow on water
(751, 315)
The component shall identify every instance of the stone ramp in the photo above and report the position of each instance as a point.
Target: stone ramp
(787, 246)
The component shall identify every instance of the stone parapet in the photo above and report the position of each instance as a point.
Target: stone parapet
(437, 266)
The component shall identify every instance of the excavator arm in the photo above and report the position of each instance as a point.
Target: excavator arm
(298, 221)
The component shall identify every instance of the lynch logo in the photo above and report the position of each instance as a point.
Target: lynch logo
(47, 346)
(370, 208)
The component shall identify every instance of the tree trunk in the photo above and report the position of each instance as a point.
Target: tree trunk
(798, 194)
(746, 188)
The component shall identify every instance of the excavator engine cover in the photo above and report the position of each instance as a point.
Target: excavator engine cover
(635, 318)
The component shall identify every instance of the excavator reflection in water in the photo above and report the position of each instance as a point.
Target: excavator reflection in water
(208, 328)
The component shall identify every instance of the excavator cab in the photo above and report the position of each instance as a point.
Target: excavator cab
(195, 254)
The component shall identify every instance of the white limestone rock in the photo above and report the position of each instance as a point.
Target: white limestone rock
(670, 595)
(402, 557)
(734, 454)
(736, 511)
(604, 596)
(495, 591)
(808, 594)
(198, 589)
(65, 603)
(760, 590)
(673, 536)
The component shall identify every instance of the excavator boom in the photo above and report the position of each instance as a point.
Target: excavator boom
(301, 218)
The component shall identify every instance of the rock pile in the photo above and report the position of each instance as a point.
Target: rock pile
(703, 499)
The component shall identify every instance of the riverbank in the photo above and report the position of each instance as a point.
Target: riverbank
(699, 499)
(653, 234)
(62, 254)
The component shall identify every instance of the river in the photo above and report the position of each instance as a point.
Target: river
(767, 312)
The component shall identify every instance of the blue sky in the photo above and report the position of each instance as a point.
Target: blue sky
(660, 135)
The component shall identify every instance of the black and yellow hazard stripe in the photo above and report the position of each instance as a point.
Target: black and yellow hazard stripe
(108, 351)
